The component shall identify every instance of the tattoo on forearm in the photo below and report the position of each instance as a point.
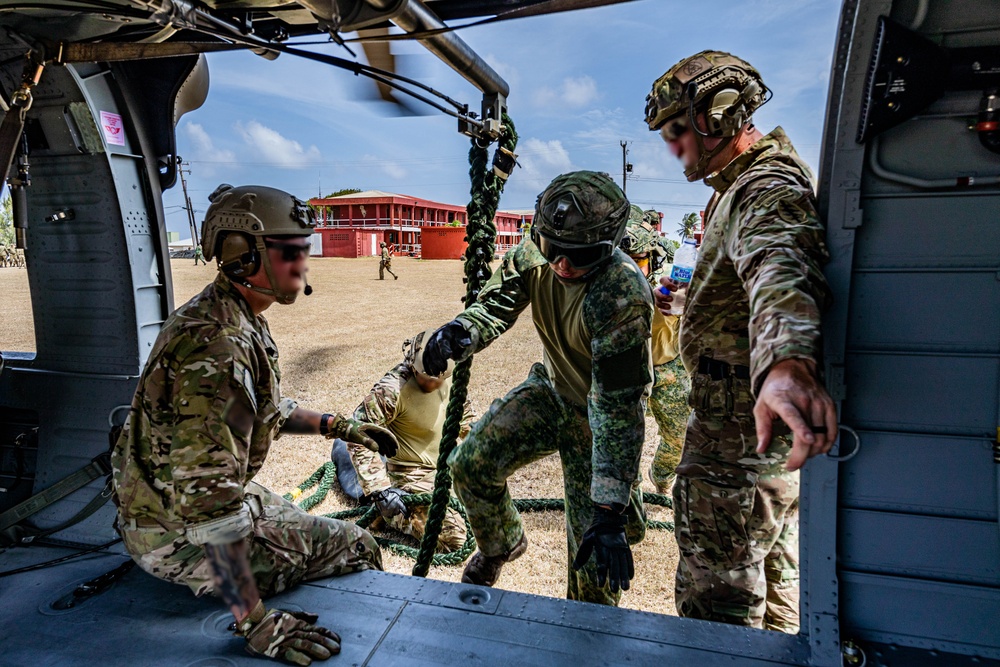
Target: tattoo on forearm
(232, 577)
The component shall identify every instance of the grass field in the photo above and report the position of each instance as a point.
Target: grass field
(336, 343)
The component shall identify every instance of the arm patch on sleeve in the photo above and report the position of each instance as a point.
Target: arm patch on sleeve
(240, 410)
(627, 369)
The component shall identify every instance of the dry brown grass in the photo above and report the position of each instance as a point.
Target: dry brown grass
(336, 343)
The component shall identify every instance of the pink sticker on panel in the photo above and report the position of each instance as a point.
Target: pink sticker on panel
(114, 131)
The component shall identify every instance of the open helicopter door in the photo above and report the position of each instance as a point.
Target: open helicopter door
(98, 271)
(913, 340)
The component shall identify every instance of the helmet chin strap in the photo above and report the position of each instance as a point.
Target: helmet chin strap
(699, 169)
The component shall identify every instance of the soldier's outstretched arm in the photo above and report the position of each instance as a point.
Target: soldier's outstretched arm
(778, 250)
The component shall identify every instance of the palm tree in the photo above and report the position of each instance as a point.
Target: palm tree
(688, 226)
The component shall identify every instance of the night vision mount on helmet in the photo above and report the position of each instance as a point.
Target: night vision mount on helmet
(580, 216)
(725, 89)
(235, 227)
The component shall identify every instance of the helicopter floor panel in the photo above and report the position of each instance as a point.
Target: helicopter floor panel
(383, 619)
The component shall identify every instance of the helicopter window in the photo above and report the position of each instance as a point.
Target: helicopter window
(17, 327)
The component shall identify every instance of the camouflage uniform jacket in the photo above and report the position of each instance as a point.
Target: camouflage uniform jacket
(415, 417)
(595, 338)
(386, 257)
(202, 419)
(757, 291)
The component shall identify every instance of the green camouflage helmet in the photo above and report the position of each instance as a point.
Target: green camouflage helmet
(640, 239)
(581, 208)
(708, 80)
(255, 212)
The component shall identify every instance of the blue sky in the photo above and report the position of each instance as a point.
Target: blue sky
(578, 85)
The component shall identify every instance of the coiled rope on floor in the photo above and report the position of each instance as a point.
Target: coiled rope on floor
(324, 477)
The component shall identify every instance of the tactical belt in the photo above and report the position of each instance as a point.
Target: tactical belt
(99, 466)
(720, 370)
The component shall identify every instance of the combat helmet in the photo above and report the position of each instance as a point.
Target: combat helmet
(641, 238)
(580, 216)
(235, 227)
(413, 354)
(726, 89)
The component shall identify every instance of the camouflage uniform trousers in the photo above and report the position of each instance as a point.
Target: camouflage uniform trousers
(527, 424)
(287, 546)
(383, 266)
(420, 479)
(736, 515)
(669, 405)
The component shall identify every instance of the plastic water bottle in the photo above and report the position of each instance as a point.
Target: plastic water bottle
(684, 260)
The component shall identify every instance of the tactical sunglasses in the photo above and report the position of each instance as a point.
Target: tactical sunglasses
(673, 130)
(580, 256)
(290, 252)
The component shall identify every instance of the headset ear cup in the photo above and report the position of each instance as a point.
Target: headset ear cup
(238, 256)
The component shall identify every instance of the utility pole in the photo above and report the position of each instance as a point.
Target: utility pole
(187, 201)
(626, 167)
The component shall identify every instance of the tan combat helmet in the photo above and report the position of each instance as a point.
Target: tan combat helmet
(726, 89)
(413, 354)
(236, 224)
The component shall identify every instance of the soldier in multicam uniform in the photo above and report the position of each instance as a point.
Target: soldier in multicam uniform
(207, 406)
(385, 263)
(668, 400)
(411, 404)
(592, 309)
(751, 328)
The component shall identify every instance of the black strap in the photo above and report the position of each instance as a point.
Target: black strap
(10, 136)
(99, 466)
(720, 370)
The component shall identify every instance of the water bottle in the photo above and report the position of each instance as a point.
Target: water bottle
(684, 260)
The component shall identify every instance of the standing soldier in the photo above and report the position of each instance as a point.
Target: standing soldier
(668, 401)
(385, 263)
(206, 408)
(199, 255)
(751, 328)
(592, 309)
(411, 405)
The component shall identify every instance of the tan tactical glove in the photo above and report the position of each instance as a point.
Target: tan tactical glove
(371, 436)
(288, 635)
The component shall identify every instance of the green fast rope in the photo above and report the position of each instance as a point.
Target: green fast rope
(481, 233)
(326, 474)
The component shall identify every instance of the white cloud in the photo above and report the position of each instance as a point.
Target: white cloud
(273, 147)
(203, 146)
(573, 92)
(389, 168)
(541, 161)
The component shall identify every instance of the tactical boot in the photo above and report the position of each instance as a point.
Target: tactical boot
(484, 570)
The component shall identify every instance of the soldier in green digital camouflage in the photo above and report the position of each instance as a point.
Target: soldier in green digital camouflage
(385, 263)
(411, 405)
(750, 337)
(592, 309)
(199, 256)
(206, 408)
(668, 400)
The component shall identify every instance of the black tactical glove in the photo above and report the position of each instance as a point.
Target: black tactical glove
(288, 635)
(372, 436)
(605, 538)
(449, 342)
(389, 502)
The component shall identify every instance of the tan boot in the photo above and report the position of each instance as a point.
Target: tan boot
(485, 570)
